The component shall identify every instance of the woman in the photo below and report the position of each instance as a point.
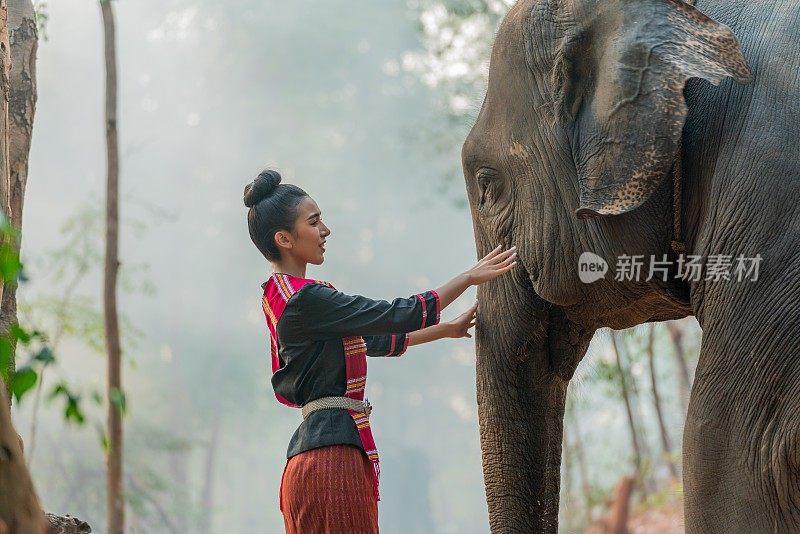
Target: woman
(320, 339)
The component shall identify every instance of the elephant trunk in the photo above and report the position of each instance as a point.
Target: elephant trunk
(526, 353)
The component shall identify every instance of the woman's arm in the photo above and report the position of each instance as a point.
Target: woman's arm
(324, 312)
(459, 327)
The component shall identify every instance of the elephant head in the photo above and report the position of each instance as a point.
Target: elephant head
(570, 153)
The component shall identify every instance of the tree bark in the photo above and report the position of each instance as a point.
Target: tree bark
(115, 495)
(67, 524)
(662, 427)
(23, 42)
(5, 174)
(5, 73)
(685, 383)
(19, 505)
(623, 383)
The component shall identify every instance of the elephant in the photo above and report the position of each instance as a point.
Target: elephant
(650, 128)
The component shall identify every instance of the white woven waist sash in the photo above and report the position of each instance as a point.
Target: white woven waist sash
(327, 403)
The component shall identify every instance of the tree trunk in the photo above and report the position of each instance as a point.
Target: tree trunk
(19, 507)
(617, 522)
(685, 383)
(623, 383)
(5, 165)
(662, 427)
(634, 395)
(5, 126)
(20, 511)
(21, 108)
(115, 495)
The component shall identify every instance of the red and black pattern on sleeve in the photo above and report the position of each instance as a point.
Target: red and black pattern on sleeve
(431, 308)
(399, 345)
(391, 345)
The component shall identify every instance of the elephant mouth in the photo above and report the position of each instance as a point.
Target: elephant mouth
(561, 343)
(528, 275)
(531, 273)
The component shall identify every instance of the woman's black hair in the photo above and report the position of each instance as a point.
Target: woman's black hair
(273, 207)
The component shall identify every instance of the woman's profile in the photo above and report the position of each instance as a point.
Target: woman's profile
(320, 339)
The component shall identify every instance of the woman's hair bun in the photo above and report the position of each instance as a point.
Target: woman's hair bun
(262, 187)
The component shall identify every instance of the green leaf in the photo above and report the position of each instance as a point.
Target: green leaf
(73, 411)
(45, 356)
(59, 389)
(105, 443)
(22, 381)
(72, 408)
(20, 334)
(38, 336)
(9, 264)
(25, 337)
(117, 398)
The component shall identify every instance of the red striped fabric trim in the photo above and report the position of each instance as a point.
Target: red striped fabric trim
(424, 311)
(268, 312)
(355, 351)
(284, 286)
(438, 306)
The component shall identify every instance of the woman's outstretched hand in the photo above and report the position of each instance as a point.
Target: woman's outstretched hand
(459, 327)
(492, 265)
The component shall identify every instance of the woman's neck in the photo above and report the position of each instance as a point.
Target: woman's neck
(289, 267)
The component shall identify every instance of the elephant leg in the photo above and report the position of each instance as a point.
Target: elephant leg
(741, 449)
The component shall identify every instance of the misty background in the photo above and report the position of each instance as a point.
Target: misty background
(328, 93)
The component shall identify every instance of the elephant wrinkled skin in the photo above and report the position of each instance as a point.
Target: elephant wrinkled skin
(588, 106)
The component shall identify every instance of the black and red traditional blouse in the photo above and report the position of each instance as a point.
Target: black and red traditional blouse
(314, 325)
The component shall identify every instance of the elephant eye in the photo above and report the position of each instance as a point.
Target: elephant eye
(485, 178)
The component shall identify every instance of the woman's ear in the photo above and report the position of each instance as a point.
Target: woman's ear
(620, 78)
(284, 240)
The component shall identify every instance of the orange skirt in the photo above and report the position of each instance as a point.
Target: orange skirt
(329, 491)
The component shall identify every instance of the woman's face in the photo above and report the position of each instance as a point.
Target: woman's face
(308, 237)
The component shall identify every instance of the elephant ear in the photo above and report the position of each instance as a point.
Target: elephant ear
(620, 77)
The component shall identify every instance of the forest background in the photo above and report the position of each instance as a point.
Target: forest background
(364, 105)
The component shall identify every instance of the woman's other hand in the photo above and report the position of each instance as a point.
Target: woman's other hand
(492, 265)
(459, 327)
